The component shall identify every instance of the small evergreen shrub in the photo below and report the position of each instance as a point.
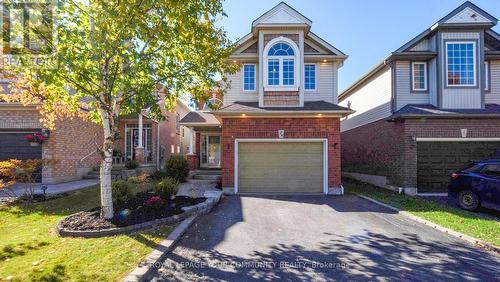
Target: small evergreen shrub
(131, 164)
(177, 167)
(167, 187)
(122, 192)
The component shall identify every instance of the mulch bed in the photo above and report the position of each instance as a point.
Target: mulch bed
(132, 212)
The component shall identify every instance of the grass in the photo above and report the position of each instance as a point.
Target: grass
(469, 223)
(30, 250)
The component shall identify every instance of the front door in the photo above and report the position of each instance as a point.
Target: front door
(132, 141)
(210, 151)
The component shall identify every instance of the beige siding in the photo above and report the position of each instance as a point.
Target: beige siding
(372, 101)
(404, 96)
(326, 84)
(235, 92)
(493, 96)
(460, 98)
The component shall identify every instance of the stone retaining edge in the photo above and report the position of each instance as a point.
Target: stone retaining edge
(198, 209)
(145, 270)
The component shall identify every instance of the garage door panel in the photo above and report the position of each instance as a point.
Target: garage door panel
(438, 160)
(280, 167)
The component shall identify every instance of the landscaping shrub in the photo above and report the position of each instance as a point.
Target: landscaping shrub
(140, 179)
(159, 175)
(131, 164)
(177, 167)
(167, 187)
(155, 202)
(122, 192)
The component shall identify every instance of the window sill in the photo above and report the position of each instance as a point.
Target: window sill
(281, 88)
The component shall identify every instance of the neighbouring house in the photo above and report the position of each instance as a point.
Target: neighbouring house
(429, 108)
(74, 143)
(278, 129)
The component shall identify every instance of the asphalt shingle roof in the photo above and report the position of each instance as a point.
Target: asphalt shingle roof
(253, 107)
(428, 110)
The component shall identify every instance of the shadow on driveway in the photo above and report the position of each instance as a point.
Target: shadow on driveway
(319, 238)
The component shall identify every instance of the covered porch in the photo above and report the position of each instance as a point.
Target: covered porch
(205, 139)
(139, 140)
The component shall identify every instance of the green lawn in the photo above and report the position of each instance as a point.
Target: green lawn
(469, 223)
(30, 249)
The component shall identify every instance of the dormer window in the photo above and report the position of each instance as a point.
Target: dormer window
(281, 65)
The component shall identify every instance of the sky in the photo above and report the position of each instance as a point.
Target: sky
(366, 30)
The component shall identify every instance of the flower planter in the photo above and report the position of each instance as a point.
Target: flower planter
(34, 144)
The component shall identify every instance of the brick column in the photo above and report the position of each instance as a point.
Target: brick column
(139, 155)
(192, 161)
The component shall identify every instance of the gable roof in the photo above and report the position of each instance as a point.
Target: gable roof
(462, 16)
(282, 14)
(468, 13)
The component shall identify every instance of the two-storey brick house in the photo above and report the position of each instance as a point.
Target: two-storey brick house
(428, 108)
(278, 130)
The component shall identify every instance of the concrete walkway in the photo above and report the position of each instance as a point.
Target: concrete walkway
(196, 188)
(18, 189)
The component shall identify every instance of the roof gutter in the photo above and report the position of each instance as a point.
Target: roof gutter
(281, 113)
(437, 116)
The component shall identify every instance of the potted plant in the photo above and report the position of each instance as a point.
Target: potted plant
(35, 139)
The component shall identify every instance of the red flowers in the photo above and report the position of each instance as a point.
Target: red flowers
(155, 201)
(35, 137)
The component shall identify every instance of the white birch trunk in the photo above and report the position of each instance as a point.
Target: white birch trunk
(106, 166)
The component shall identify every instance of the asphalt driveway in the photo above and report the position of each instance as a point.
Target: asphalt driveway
(319, 238)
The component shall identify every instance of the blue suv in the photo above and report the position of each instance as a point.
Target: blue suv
(477, 185)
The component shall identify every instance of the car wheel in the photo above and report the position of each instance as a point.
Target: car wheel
(468, 200)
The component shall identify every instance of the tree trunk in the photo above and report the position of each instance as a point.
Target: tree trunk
(106, 166)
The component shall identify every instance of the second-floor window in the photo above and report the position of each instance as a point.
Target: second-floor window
(249, 77)
(281, 70)
(419, 76)
(461, 63)
(310, 76)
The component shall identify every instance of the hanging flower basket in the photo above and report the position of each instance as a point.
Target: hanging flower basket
(35, 139)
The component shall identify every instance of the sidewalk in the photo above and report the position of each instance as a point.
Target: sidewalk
(18, 189)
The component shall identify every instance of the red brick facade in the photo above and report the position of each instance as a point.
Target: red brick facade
(388, 148)
(68, 145)
(233, 128)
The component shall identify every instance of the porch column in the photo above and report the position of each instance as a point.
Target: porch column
(191, 156)
(139, 150)
(191, 142)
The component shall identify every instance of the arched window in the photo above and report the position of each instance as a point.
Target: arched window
(281, 64)
(281, 49)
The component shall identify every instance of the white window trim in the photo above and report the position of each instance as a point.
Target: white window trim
(315, 77)
(254, 78)
(296, 57)
(413, 76)
(486, 75)
(474, 61)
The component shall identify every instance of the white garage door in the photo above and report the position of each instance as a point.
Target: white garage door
(280, 167)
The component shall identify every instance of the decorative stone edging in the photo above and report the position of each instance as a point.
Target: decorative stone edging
(469, 239)
(152, 262)
(198, 209)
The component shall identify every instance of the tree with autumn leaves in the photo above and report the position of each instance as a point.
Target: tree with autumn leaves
(115, 57)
